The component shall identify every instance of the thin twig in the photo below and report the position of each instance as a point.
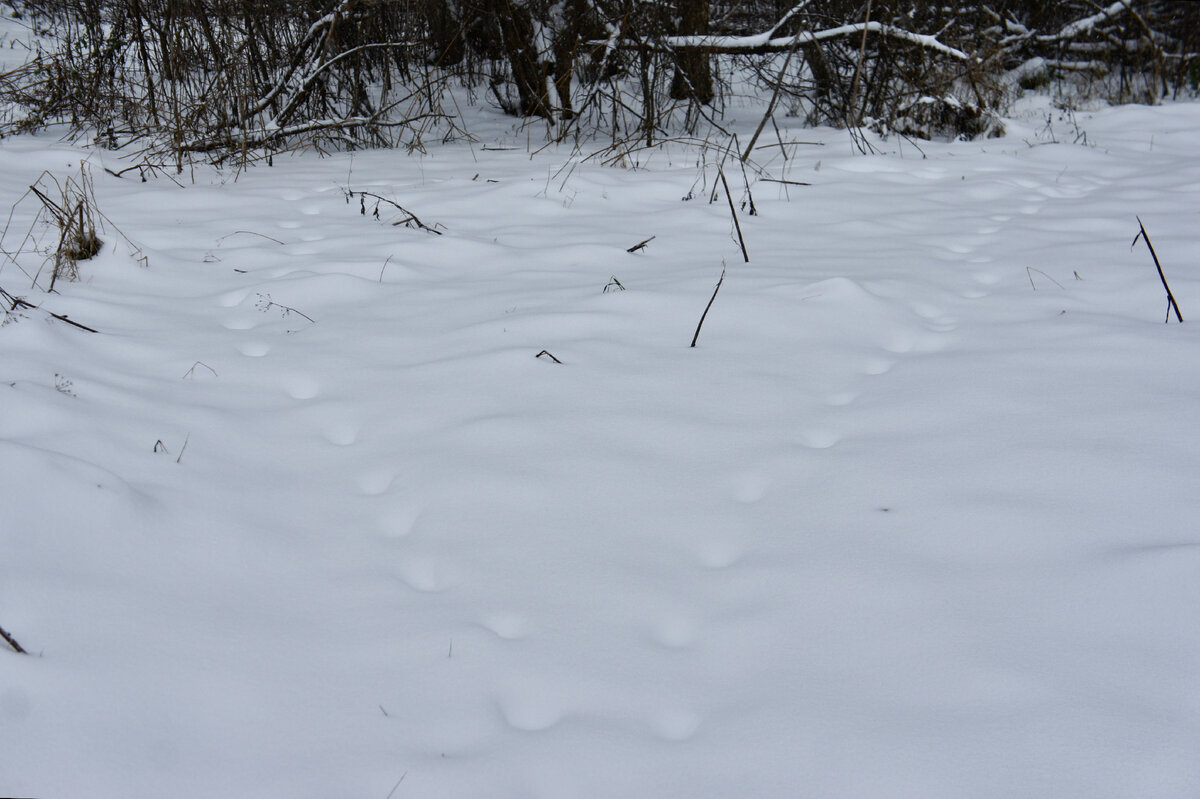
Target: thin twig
(380, 199)
(251, 233)
(1029, 270)
(786, 144)
(63, 318)
(786, 182)
(641, 245)
(265, 303)
(746, 181)
(189, 372)
(549, 355)
(1171, 304)
(710, 302)
(12, 641)
(770, 113)
(613, 285)
(402, 776)
(16, 303)
(737, 226)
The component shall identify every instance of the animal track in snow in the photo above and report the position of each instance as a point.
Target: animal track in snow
(674, 631)
(750, 488)
(302, 387)
(925, 310)
(840, 399)
(340, 433)
(818, 438)
(253, 349)
(878, 366)
(676, 725)
(943, 325)
(529, 713)
(507, 626)
(428, 575)
(901, 343)
(396, 522)
(232, 299)
(719, 554)
(376, 482)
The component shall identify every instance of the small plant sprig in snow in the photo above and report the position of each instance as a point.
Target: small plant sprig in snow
(62, 385)
(265, 303)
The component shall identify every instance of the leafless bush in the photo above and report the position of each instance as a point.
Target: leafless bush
(221, 79)
(65, 229)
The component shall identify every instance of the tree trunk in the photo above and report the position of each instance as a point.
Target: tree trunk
(693, 74)
(516, 34)
(446, 45)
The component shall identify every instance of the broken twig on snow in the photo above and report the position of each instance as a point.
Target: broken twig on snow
(736, 225)
(641, 245)
(710, 302)
(12, 642)
(1171, 304)
(613, 285)
(411, 219)
(17, 303)
(1029, 270)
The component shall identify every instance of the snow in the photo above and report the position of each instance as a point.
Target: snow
(916, 517)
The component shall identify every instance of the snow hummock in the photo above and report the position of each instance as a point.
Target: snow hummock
(916, 517)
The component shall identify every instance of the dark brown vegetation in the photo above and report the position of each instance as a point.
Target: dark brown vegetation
(217, 79)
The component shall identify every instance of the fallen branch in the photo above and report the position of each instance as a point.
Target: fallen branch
(549, 355)
(764, 43)
(1087, 23)
(1171, 304)
(710, 302)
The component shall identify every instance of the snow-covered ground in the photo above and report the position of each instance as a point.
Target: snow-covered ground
(916, 518)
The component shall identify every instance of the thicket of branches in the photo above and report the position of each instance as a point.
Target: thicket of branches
(214, 79)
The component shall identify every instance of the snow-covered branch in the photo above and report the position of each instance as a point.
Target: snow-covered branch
(765, 43)
(1086, 24)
